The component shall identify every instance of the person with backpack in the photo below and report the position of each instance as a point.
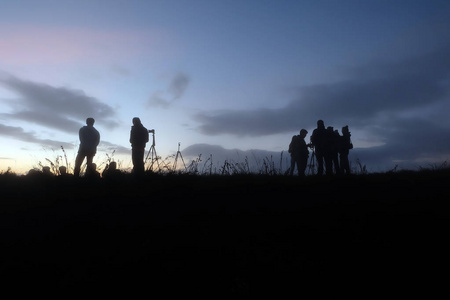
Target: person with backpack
(138, 139)
(299, 153)
(344, 148)
(319, 140)
(333, 136)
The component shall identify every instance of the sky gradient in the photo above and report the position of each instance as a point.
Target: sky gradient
(225, 76)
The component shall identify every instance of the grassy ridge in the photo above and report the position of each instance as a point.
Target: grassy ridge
(225, 235)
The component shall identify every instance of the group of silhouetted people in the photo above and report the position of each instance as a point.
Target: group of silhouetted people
(89, 140)
(328, 146)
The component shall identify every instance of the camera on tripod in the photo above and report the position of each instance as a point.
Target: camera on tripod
(151, 131)
(310, 145)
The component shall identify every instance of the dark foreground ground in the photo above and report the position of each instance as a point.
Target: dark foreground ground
(382, 234)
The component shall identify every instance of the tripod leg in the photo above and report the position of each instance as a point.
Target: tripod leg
(175, 162)
(311, 164)
(181, 156)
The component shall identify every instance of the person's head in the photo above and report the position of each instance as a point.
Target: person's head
(90, 121)
(46, 170)
(136, 121)
(91, 168)
(330, 128)
(345, 129)
(62, 170)
(112, 165)
(303, 133)
(320, 124)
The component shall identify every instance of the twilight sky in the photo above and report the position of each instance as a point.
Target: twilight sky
(239, 75)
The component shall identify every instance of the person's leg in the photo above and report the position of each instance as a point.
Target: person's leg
(141, 161)
(302, 166)
(319, 157)
(297, 162)
(78, 161)
(337, 168)
(137, 156)
(345, 165)
(328, 164)
(134, 159)
(291, 170)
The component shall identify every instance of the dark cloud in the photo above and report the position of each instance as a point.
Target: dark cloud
(400, 104)
(379, 89)
(407, 143)
(158, 99)
(110, 147)
(58, 108)
(178, 85)
(43, 119)
(19, 134)
(174, 92)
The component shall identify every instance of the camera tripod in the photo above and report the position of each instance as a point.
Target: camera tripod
(152, 152)
(311, 167)
(176, 159)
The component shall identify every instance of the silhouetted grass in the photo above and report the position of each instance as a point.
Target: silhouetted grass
(240, 234)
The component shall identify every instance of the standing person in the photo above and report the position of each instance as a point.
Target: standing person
(319, 141)
(344, 148)
(89, 140)
(333, 140)
(138, 139)
(299, 153)
(336, 144)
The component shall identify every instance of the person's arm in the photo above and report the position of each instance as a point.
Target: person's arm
(81, 135)
(290, 145)
(98, 139)
(131, 136)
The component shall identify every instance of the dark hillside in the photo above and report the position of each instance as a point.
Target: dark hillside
(227, 235)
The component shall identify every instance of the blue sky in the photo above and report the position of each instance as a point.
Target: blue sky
(242, 75)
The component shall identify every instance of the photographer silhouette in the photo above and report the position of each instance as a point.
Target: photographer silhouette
(138, 139)
(299, 153)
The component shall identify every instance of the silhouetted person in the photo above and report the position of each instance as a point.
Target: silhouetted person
(299, 153)
(138, 139)
(34, 172)
(319, 141)
(89, 140)
(92, 173)
(62, 171)
(337, 142)
(111, 170)
(63, 177)
(333, 136)
(345, 145)
(47, 171)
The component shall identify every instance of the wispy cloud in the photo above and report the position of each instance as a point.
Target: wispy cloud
(380, 88)
(59, 108)
(20, 134)
(110, 147)
(174, 92)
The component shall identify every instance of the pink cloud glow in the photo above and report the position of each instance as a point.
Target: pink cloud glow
(39, 45)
